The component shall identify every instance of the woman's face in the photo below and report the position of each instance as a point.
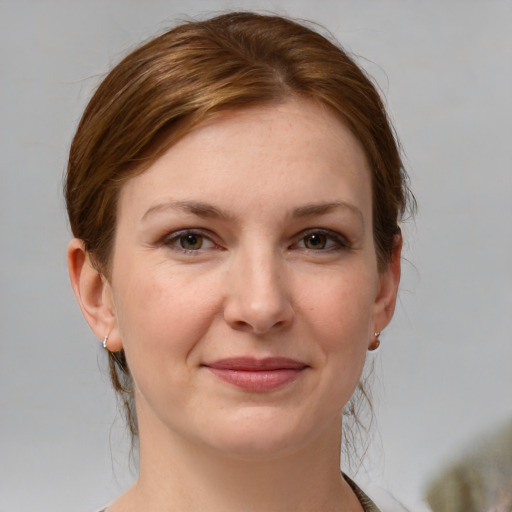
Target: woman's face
(244, 282)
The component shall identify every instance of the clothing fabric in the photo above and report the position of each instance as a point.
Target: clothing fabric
(367, 504)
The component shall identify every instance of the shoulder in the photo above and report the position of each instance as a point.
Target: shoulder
(367, 504)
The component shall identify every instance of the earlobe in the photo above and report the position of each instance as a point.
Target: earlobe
(93, 293)
(389, 280)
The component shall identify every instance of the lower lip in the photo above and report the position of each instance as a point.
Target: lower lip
(260, 380)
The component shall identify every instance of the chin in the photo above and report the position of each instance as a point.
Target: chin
(262, 448)
(263, 437)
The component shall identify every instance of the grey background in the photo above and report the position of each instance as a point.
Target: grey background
(444, 372)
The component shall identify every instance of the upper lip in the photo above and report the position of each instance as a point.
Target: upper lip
(255, 364)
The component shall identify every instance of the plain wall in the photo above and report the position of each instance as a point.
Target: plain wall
(443, 374)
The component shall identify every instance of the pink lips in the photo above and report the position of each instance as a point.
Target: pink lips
(257, 375)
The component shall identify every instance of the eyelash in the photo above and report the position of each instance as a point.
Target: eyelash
(333, 240)
(174, 239)
(337, 241)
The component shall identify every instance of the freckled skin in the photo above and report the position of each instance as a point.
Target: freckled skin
(254, 296)
(269, 271)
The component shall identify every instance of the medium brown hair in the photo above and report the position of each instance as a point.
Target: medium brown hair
(165, 88)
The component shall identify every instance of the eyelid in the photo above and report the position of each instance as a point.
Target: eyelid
(171, 240)
(341, 241)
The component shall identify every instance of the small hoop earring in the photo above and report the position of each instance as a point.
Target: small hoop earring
(375, 343)
(105, 341)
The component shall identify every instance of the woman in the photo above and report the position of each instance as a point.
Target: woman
(234, 189)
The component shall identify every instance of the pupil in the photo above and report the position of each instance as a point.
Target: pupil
(191, 241)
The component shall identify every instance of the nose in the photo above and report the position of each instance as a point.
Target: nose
(257, 294)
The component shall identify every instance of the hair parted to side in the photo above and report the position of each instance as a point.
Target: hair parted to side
(165, 88)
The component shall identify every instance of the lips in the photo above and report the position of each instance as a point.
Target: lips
(257, 375)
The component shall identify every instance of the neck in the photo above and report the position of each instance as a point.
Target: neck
(180, 475)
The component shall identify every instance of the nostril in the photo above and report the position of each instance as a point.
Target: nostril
(240, 325)
(260, 302)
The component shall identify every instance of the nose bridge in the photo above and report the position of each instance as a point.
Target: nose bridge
(258, 298)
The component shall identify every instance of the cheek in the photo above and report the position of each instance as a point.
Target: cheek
(340, 317)
(341, 306)
(160, 323)
(161, 310)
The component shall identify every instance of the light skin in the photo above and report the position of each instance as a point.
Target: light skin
(251, 237)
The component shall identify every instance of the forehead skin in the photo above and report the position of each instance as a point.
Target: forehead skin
(268, 140)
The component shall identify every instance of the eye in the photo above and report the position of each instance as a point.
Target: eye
(188, 241)
(191, 241)
(320, 240)
(315, 241)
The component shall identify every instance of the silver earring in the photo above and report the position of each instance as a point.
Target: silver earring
(105, 341)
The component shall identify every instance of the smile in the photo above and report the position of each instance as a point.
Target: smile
(257, 375)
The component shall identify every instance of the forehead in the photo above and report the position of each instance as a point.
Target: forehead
(288, 151)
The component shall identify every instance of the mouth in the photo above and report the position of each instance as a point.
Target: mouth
(257, 375)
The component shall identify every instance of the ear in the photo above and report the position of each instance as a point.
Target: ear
(93, 293)
(389, 279)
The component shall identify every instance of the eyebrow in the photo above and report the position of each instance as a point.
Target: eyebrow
(207, 210)
(195, 207)
(311, 210)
